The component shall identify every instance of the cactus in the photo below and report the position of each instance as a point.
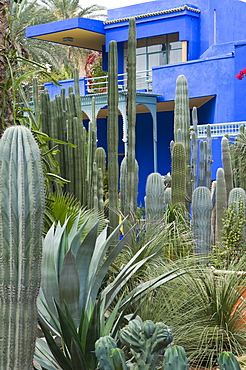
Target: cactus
(175, 359)
(100, 159)
(131, 116)
(194, 146)
(146, 341)
(208, 158)
(112, 132)
(154, 198)
(202, 163)
(103, 346)
(167, 196)
(221, 202)
(21, 224)
(227, 361)
(178, 174)
(227, 165)
(201, 220)
(236, 195)
(118, 359)
(100, 190)
(182, 121)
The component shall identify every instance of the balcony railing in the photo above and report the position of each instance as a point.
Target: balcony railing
(96, 85)
(220, 129)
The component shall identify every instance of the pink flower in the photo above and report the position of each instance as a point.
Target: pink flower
(241, 74)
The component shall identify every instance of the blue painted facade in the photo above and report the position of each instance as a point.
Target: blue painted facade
(214, 33)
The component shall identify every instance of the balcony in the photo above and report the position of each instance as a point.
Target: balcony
(220, 129)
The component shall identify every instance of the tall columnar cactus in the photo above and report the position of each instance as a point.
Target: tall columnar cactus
(227, 361)
(175, 359)
(112, 134)
(208, 158)
(100, 159)
(131, 117)
(194, 146)
(178, 174)
(182, 121)
(21, 224)
(201, 220)
(236, 195)
(221, 202)
(227, 165)
(202, 156)
(154, 200)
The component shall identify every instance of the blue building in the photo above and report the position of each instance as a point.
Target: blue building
(205, 41)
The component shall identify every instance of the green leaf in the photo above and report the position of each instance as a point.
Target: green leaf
(83, 261)
(150, 285)
(67, 327)
(57, 353)
(69, 285)
(77, 357)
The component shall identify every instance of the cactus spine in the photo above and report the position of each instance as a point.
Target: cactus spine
(201, 220)
(113, 134)
(21, 224)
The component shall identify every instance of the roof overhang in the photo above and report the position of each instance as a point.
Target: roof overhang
(81, 32)
(163, 106)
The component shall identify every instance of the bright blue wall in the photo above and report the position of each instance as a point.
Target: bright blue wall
(205, 78)
(56, 89)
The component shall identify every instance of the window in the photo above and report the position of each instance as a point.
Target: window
(155, 51)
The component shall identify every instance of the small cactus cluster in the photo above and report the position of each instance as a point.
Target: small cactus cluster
(149, 344)
(145, 340)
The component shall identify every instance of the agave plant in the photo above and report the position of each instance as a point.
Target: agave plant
(73, 303)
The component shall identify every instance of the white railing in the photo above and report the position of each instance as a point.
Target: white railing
(220, 129)
(96, 85)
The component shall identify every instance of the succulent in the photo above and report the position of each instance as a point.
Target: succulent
(21, 227)
(175, 358)
(227, 361)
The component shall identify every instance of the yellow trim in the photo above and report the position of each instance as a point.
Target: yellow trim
(184, 51)
(173, 10)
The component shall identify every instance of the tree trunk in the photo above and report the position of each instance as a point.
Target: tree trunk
(6, 114)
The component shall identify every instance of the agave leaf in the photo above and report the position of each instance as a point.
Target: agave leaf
(75, 237)
(113, 288)
(99, 274)
(68, 328)
(62, 360)
(44, 357)
(150, 285)
(69, 285)
(92, 335)
(107, 327)
(49, 280)
(83, 260)
(77, 357)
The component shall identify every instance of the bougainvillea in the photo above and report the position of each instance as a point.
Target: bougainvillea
(241, 74)
(93, 68)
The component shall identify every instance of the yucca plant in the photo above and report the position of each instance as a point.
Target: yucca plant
(74, 305)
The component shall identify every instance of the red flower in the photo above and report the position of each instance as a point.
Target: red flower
(241, 74)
